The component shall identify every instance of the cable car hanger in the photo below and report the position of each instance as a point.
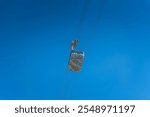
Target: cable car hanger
(76, 56)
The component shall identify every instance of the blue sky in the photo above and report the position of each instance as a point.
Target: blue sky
(35, 37)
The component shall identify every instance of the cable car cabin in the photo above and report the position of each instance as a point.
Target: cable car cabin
(76, 60)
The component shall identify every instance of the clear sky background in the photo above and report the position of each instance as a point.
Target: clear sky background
(35, 37)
